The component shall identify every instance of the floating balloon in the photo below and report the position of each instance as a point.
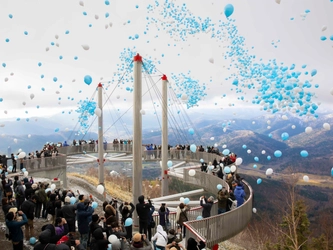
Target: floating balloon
(21, 155)
(326, 126)
(277, 153)
(94, 205)
(263, 152)
(284, 117)
(269, 171)
(142, 112)
(100, 189)
(332, 171)
(191, 172)
(191, 131)
(88, 79)
(304, 153)
(128, 222)
(184, 97)
(259, 181)
(29, 136)
(211, 60)
(244, 146)
(15, 140)
(233, 168)
(284, 136)
(256, 158)
(169, 164)
(324, 28)
(308, 130)
(278, 1)
(98, 112)
(186, 201)
(219, 186)
(249, 151)
(305, 178)
(32, 96)
(227, 170)
(53, 186)
(181, 199)
(85, 47)
(226, 152)
(26, 173)
(293, 126)
(112, 238)
(228, 10)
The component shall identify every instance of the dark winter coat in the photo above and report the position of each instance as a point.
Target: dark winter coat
(206, 208)
(143, 209)
(84, 213)
(28, 207)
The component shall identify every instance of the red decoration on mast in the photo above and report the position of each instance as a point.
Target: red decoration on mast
(137, 58)
(164, 78)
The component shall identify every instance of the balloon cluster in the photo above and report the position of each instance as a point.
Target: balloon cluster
(86, 109)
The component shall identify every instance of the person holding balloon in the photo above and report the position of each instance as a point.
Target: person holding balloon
(126, 217)
(181, 216)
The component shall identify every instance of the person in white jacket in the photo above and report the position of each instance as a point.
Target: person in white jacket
(160, 239)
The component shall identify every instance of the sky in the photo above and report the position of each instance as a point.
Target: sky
(44, 39)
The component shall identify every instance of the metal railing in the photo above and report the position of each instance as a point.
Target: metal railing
(173, 154)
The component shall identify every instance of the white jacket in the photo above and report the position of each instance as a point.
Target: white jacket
(161, 237)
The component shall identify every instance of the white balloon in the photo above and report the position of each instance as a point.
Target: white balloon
(112, 238)
(32, 96)
(239, 161)
(24, 103)
(98, 112)
(211, 60)
(269, 171)
(215, 145)
(268, 122)
(142, 112)
(57, 92)
(224, 146)
(284, 117)
(184, 97)
(263, 152)
(224, 129)
(96, 17)
(2, 125)
(326, 126)
(305, 178)
(100, 189)
(21, 155)
(324, 28)
(212, 138)
(53, 186)
(56, 36)
(249, 151)
(118, 96)
(5, 112)
(331, 92)
(293, 126)
(181, 199)
(254, 210)
(19, 151)
(110, 24)
(85, 47)
(47, 48)
(26, 173)
(191, 172)
(233, 168)
(268, 127)
(308, 130)
(29, 135)
(253, 122)
(15, 140)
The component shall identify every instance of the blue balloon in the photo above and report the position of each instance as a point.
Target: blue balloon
(277, 153)
(32, 240)
(285, 136)
(186, 201)
(313, 72)
(169, 164)
(199, 217)
(55, 79)
(228, 10)
(191, 131)
(4, 65)
(226, 151)
(193, 148)
(244, 146)
(256, 158)
(23, 170)
(304, 153)
(56, 130)
(269, 157)
(255, 166)
(227, 170)
(128, 222)
(72, 200)
(323, 38)
(219, 186)
(270, 135)
(10, 168)
(94, 205)
(201, 160)
(48, 190)
(87, 79)
(332, 171)
(107, 2)
(259, 181)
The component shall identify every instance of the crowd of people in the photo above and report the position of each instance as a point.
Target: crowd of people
(71, 221)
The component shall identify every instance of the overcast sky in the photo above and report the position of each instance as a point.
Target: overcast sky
(31, 26)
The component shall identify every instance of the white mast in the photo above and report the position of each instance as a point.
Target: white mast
(164, 175)
(100, 139)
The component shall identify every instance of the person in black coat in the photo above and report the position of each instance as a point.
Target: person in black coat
(207, 206)
(127, 213)
(143, 210)
(28, 207)
(192, 244)
(99, 242)
(44, 241)
(94, 224)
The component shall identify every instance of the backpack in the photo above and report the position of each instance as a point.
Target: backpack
(233, 204)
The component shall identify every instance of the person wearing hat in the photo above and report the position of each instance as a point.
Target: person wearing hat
(15, 229)
(140, 241)
(206, 205)
(69, 213)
